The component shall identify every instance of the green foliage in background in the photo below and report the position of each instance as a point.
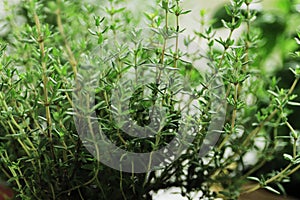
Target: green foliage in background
(47, 45)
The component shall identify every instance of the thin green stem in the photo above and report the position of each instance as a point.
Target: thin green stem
(294, 139)
(270, 180)
(41, 40)
(177, 38)
(71, 57)
(161, 67)
(121, 183)
(233, 118)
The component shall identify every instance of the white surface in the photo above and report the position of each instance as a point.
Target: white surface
(174, 194)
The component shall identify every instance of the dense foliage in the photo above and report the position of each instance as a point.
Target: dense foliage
(56, 53)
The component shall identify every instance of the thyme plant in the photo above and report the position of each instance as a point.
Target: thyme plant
(75, 72)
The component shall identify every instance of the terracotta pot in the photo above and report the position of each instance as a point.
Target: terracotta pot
(5, 193)
(263, 195)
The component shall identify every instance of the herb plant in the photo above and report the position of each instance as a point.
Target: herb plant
(73, 73)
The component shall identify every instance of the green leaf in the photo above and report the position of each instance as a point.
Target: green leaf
(228, 10)
(92, 32)
(202, 12)
(2, 48)
(226, 24)
(297, 40)
(273, 93)
(293, 103)
(271, 189)
(119, 10)
(253, 178)
(100, 38)
(165, 5)
(186, 12)
(288, 157)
